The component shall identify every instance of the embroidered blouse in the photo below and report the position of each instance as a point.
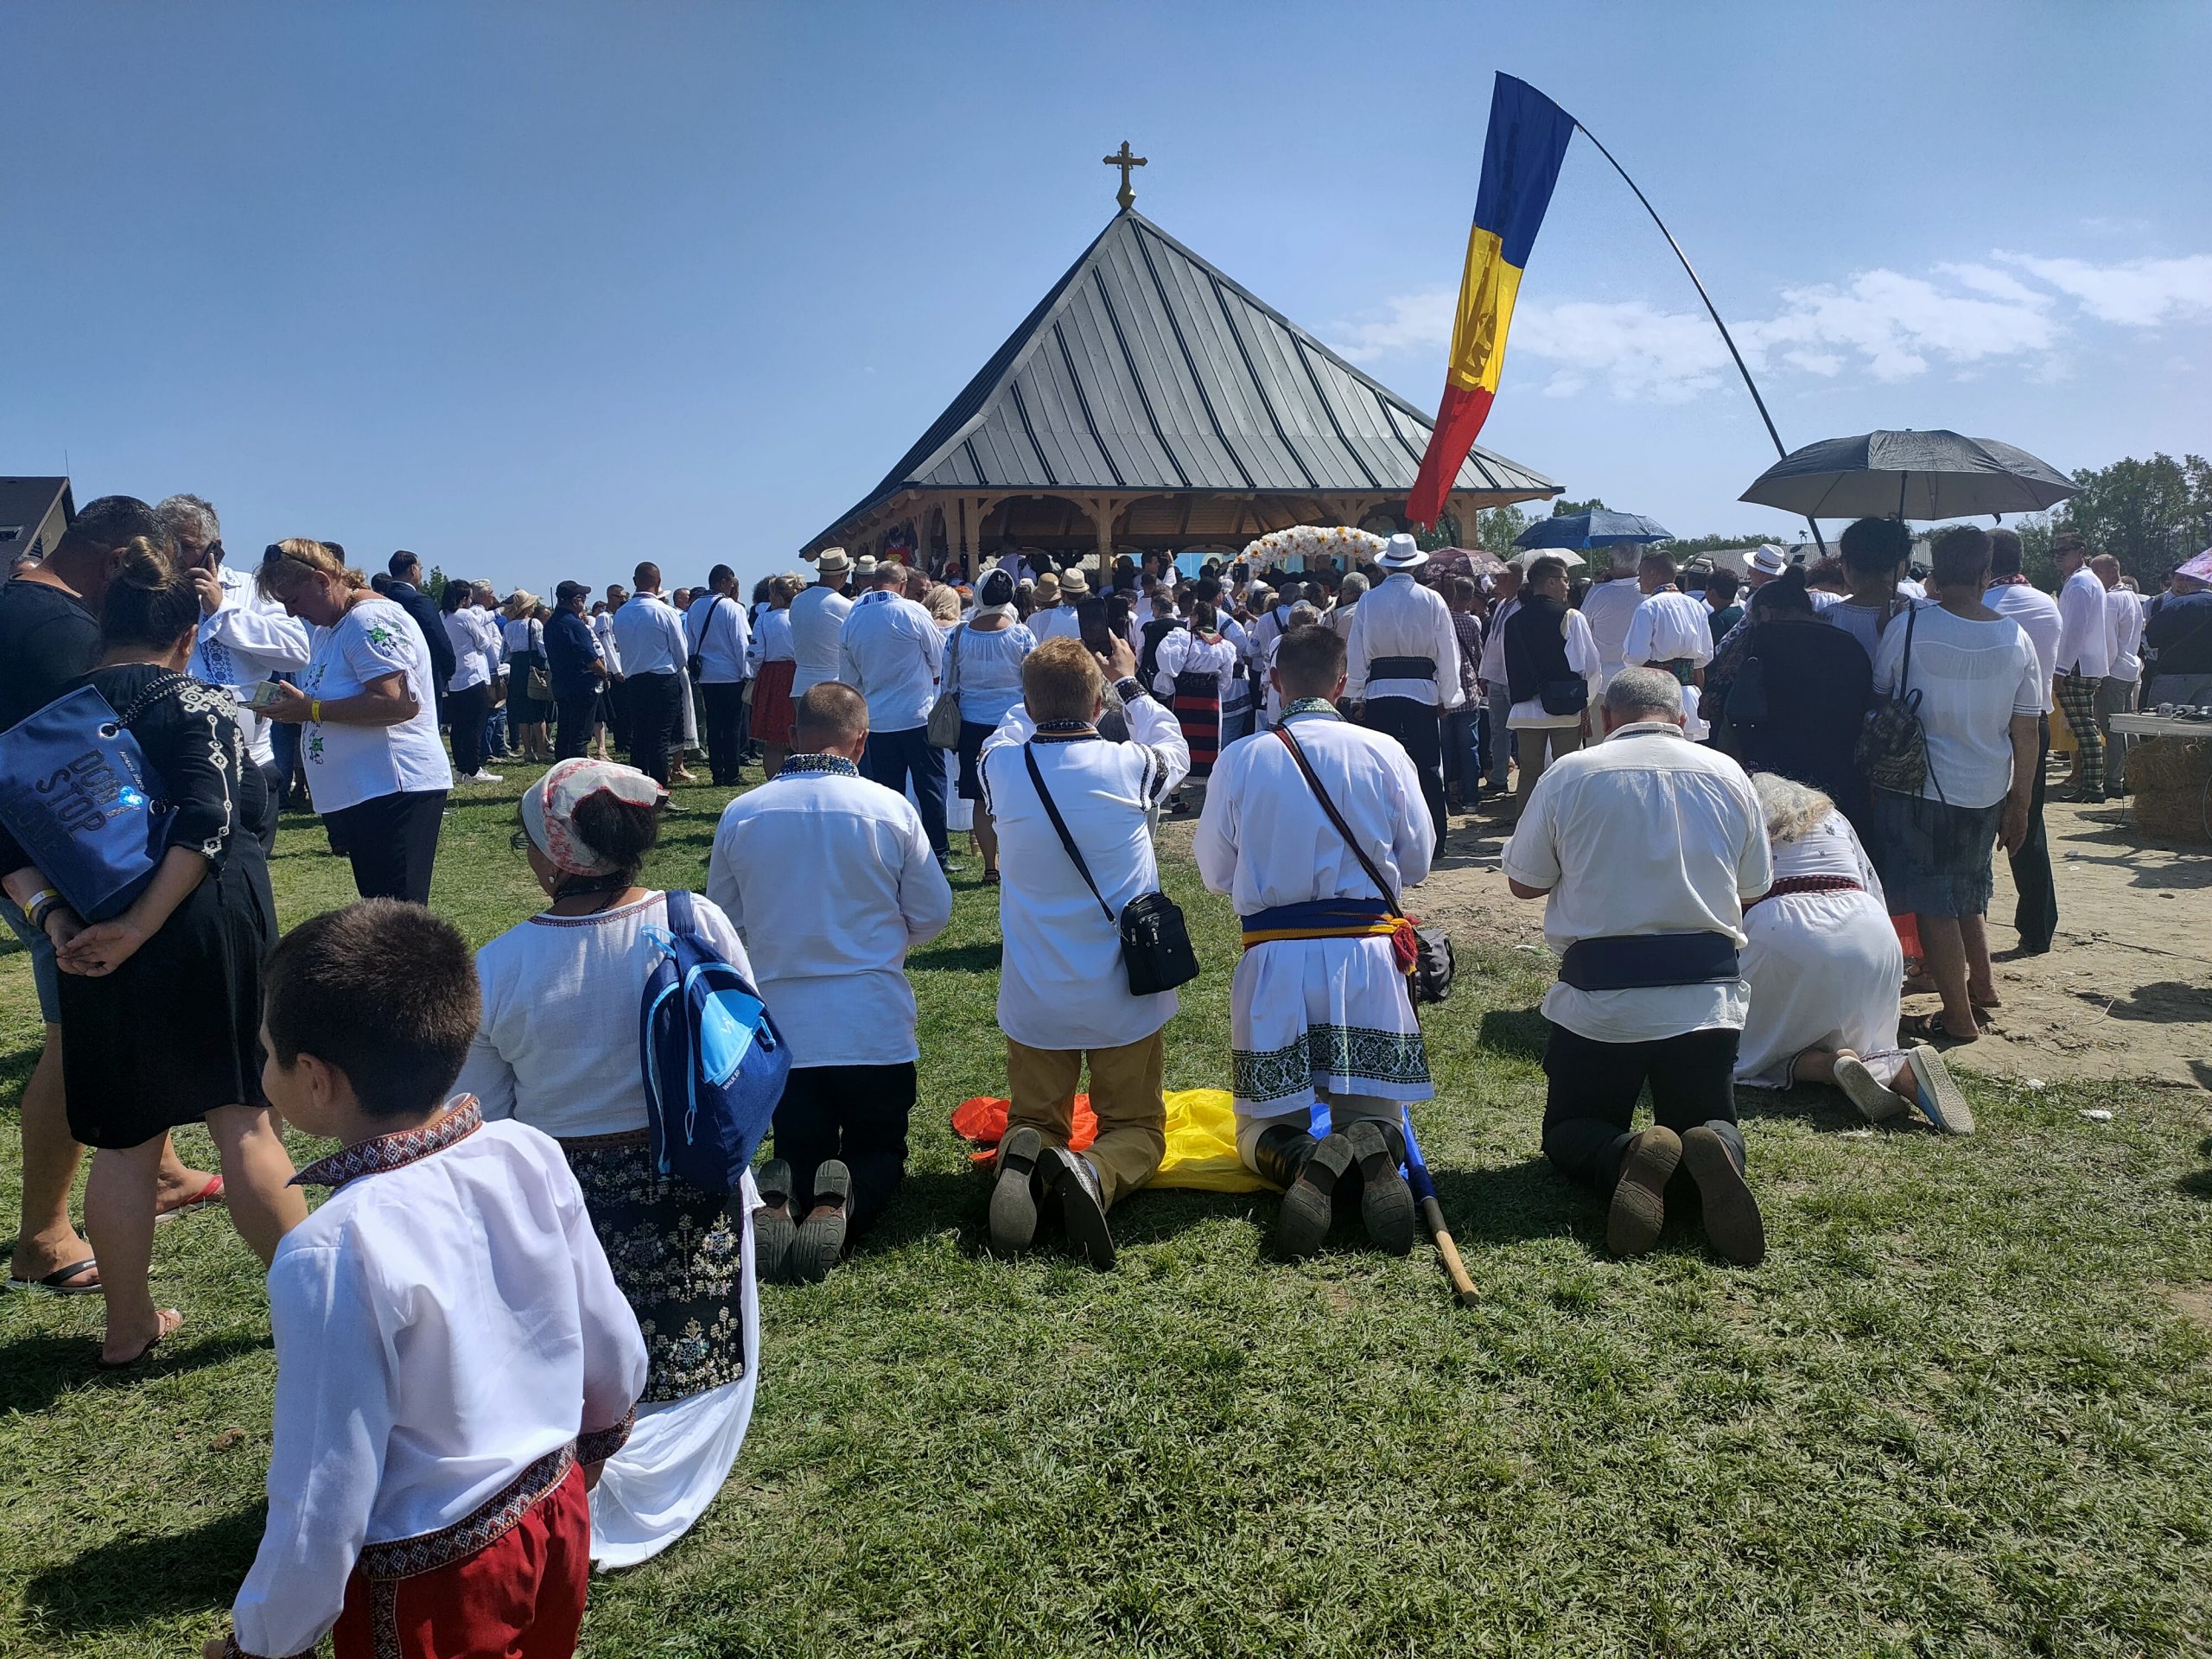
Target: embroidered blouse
(445, 1322)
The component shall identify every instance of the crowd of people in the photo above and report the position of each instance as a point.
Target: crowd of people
(510, 1344)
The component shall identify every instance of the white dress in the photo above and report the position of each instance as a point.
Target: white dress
(557, 1049)
(1824, 969)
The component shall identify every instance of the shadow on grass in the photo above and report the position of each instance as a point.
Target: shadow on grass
(1522, 1031)
(979, 956)
(129, 1581)
(36, 1370)
(1507, 1204)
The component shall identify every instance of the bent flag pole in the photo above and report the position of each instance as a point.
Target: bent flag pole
(1521, 160)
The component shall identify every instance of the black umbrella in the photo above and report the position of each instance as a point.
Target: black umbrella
(1909, 476)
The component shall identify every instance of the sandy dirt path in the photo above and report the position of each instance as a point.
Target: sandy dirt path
(2125, 991)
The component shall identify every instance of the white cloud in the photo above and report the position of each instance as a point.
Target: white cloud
(1882, 323)
(2140, 293)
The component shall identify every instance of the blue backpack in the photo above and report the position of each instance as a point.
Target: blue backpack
(77, 794)
(715, 1064)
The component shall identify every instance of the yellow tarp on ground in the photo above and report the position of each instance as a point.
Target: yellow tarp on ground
(1201, 1152)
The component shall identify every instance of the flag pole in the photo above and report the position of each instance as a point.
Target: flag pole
(1711, 309)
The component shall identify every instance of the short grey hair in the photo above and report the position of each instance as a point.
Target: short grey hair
(1644, 694)
(1354, 583)
(189, 515)
(1791, 809)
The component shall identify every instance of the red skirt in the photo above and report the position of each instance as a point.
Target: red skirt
(1197, 711)
(509, 1580)
(772, 704)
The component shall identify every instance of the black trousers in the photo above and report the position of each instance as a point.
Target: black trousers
(575, 718)
(1593, 1089)
(2035, 914)
(1420, 733)
(392, 841)
(469, 710)
(656, 719)
(725, 729)
(618, 713)
(893, 757)
(857, 1113)
(271, 807)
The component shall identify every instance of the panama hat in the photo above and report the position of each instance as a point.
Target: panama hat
(1402, 552)
(834, 560)
(1074, 584)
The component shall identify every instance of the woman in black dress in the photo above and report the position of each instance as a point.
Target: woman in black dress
(160, 1006)
(1791, 695)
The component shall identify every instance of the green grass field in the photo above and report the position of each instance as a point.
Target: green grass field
(1964, 1408)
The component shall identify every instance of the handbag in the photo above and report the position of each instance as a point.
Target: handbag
(1435, 963)
(82, 801)
(1892, 746)
(945, 713)
(1156, 951)
(539, 686)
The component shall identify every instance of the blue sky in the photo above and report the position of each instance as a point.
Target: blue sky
(540, 289)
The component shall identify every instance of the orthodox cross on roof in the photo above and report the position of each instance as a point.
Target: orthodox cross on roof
(1123, 159)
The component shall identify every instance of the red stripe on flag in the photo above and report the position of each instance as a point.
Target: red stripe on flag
(1459, 420)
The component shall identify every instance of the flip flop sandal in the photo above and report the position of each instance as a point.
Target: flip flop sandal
(821, 1239)
(1927, 1029)
(1014, 1194)
(773, 1229)
(211, 1193)
(62, 1281)
(168, 1322)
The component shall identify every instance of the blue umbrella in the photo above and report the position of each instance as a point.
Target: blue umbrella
(1598, 529)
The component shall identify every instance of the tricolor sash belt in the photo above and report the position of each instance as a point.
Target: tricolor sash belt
(1633, 962)
(1791, 884)
(1335, 918)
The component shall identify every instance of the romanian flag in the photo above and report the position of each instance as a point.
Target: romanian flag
(1521, 158)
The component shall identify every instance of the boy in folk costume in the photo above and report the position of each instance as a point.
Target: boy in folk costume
(1321, 1014)
(454, 1359)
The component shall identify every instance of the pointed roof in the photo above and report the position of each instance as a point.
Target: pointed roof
(1145, 368)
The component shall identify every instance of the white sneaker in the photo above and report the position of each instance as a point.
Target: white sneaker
(1941, 1101)
(1876, 1101)
(479, 776)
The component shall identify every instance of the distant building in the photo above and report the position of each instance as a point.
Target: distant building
(34, 512)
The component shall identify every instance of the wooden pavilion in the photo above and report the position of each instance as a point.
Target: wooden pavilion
(1149, 402)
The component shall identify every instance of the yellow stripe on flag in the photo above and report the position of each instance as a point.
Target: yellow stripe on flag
(1486, 295)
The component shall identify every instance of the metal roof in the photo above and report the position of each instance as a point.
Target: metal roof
(1146, 368)
(34, 512)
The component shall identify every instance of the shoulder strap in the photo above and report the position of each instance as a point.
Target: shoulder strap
(1904, 667)
(682, 918)
(1328, 806)
(1060, 828)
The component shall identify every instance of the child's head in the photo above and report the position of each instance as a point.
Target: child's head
(367, 1012)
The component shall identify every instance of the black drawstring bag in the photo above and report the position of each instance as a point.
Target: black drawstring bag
(1893, 744)
(1155, 938)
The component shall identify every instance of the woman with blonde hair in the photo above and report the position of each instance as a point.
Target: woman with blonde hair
(1825, 968)
(369, 721)
(161, 1005)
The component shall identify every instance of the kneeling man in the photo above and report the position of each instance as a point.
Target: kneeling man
(831, 880)
(1646, 846)
(1076, 847)
(1324, 1048)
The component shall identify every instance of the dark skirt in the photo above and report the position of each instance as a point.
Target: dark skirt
(1197, 705)
(174, 1032)
(971, 760)
(1934, 858)
(523, 709)
(678, 1254)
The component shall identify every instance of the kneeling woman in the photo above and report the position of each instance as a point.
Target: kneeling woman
(160, 1007)
(1825, 968)
(557, 1049)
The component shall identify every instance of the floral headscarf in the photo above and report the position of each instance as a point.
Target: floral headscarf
(548, 809)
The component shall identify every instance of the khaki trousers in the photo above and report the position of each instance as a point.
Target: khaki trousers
(1562, 740)
(1126, 1093)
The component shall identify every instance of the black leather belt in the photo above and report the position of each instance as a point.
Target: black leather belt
(1401, 668)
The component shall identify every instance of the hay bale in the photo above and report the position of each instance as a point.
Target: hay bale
(2170, 779)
